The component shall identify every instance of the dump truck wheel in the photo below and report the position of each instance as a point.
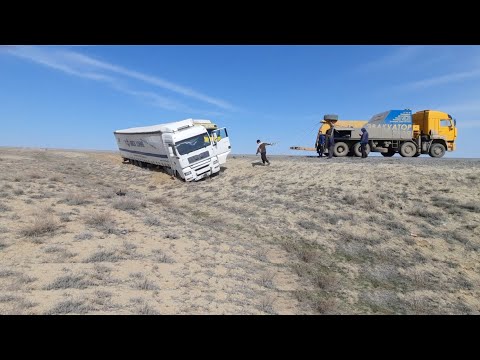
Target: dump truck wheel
(437, 150)
(408, 149)
(358, 151)
(340, 149)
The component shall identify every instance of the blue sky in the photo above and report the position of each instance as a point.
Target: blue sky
(76, 96)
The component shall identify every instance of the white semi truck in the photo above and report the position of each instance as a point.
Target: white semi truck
(182, 148)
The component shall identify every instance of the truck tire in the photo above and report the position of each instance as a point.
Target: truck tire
(437, 150)
(389, 153)
(358, 152)
(340, 149)
(408, 149)
(330, 117)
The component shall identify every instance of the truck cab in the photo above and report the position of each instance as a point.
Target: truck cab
(218, 137)
(191, 153)
(437, 127)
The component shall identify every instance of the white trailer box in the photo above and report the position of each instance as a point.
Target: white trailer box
(181, 147)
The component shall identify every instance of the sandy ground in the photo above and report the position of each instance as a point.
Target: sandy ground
(302, 236)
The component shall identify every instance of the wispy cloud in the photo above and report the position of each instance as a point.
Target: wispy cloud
(442, 80)
(396, 57)
(77, 64)
(464, 108)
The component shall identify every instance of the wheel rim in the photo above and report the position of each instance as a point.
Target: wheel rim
(409, 150)
(437, 150)
(340, 150)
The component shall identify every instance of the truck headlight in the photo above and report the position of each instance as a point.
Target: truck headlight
(215, 161)
(188, 173)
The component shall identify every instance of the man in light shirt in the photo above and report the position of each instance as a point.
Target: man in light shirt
(263, 151)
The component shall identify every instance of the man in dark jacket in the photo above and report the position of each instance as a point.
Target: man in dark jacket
(330, 140)
(321, 144)
(364, 142)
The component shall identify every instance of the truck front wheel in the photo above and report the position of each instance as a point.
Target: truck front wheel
(340, 149)
(408, 149)
(437, 150)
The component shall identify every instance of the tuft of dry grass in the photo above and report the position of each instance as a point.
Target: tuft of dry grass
(70, 307)
(18, 192)
(152, 221)
(41, 225)
(160, 200)
(7, 272)
(146, 309)
(266, 279)
(266, 305)
(69, 282)
(4, 208)
(83, 236)
(320, 302)
(77, 199)
(103, 256)
(145, 284)
(128, 204)
(9, 298)
(103, 221)
(435, 217)
(160, 256)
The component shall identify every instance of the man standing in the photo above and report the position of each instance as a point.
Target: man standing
(364, 142)
(331, 140)
(321, 144)
(263, 151)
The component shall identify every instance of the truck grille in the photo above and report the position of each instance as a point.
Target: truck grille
(195, 158)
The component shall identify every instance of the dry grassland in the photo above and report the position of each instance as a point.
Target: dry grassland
(302, 236)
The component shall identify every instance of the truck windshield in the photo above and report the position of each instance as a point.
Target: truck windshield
(192, 144)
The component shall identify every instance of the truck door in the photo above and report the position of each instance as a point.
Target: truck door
(221, 144)
(173, 158)
(447, 129)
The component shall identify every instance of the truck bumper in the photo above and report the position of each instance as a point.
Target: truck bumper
(195, 175)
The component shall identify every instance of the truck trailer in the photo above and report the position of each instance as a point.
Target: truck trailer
(182, 148)
(429, 132)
